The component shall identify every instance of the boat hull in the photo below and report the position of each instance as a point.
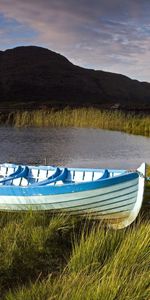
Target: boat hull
(117, 201)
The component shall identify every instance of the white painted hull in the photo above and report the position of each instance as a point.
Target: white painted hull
(117, 203)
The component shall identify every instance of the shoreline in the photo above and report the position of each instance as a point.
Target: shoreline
(129, 122)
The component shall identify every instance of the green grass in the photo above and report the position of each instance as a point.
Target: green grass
(82, 117)
(44, 256)
(146, 203)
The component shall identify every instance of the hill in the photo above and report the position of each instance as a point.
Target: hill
(33, 76)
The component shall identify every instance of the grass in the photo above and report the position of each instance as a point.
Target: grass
(82, 117)
(146, 202)
(32, 246)
(45, 257)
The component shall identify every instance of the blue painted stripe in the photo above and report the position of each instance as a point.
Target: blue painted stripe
(117, 210)
(99, 204)
(66, 188)
(97, 209)
(68, 203)
(119, 204)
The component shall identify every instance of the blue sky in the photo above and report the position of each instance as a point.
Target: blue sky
(110, 35)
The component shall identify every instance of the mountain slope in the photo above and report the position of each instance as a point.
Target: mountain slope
(34, 75)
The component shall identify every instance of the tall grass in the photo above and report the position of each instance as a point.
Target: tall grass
(32, 246)
(82, 117)
(146, 202)
(59, 257)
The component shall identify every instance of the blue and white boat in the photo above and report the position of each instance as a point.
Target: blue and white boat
(114, 196)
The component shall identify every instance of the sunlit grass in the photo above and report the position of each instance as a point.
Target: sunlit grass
(96, 263)
(146, 202)
(82, 117)
(31, 246)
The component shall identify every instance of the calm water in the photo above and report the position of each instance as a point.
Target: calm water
(73, 147)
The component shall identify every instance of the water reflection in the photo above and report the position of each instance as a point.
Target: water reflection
(73, 147)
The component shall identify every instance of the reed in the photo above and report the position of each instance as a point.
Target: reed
(46, 257)
(83, 117)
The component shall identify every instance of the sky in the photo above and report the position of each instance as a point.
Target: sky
(108, 35)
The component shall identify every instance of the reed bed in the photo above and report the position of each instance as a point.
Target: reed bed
(48, 257)
(82, 117)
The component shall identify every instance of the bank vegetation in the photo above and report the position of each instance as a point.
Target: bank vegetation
(81, 117)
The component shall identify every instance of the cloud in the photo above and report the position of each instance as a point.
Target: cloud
(112, 35)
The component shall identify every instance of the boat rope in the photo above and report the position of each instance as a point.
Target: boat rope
(140, 174)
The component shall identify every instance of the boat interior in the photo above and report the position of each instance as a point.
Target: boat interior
(20, 175)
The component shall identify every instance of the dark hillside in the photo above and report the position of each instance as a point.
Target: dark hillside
(33, 75)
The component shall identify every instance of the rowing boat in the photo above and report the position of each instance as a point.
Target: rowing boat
(114, 196)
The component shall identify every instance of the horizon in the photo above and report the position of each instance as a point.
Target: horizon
(108, 35)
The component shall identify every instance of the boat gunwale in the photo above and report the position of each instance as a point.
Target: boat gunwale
(67, 187)
(46, 167)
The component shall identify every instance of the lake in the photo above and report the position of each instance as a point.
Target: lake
(76, 147)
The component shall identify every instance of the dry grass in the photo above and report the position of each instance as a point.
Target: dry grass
(82, 117)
